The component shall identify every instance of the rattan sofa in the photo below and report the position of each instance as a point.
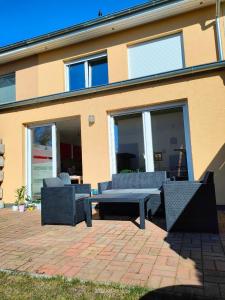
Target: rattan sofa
(143, 182)
(191, 206)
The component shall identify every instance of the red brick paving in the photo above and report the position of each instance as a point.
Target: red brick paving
(115, 251)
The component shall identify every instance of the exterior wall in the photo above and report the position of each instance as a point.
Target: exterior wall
(44, 73)
(26, 76)
(207, 127)
(198, 36)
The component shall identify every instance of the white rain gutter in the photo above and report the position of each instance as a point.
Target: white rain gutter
(218, 30)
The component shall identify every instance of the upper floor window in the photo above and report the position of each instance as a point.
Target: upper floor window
(89, 72)
(156, 56)
(7, 88)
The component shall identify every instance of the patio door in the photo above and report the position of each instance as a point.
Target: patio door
(41, 157)
(129, 143)
(168, 142)
(152, 139)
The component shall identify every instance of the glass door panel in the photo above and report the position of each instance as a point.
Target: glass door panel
(168, 138)
(42, 157)
(129, 143)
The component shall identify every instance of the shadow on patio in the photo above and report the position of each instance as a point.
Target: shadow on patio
(201, 271)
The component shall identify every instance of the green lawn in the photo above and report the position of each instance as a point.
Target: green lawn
(16, 286)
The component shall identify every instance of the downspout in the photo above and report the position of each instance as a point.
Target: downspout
(218, 30)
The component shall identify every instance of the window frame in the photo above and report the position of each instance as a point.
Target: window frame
(157, 38)
(7, 75)
(147, 132)
(28, 152)
(87, 69)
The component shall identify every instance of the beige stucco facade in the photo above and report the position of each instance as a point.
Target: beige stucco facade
(44, 74)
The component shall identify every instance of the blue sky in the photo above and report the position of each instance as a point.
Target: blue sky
(23, 19)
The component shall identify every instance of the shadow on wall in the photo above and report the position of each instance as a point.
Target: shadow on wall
(217, 165)
(22, 64)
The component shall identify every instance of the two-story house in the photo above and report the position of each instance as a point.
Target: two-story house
(139, 90)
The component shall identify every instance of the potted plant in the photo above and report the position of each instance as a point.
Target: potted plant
(30, 206)
(21, 198)
(36, 203)
(15, 205)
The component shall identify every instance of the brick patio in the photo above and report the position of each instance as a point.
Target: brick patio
(115, 250)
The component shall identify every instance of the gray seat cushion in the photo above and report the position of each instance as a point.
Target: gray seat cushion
(79, 196)
(53, 182)
(65, 177)
(152, 191)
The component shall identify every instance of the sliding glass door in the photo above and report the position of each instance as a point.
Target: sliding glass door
(129, 143)
(169, 147)
(152, 140)
(41, 154)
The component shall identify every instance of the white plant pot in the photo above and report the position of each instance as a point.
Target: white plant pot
(15, 208)
(1, 204)
(21, 208)
(38, 206)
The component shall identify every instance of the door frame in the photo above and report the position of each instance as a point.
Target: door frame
(147, 133)
(28, 160)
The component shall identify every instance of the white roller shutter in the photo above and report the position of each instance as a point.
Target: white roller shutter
(156, 56)
(7, 88)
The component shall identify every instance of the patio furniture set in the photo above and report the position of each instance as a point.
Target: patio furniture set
(188, 206)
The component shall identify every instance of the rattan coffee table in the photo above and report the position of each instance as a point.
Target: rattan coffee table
(139, 198)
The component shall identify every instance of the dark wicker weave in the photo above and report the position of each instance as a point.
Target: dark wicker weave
(133, 181)
(118, 199)
(63, 204)
(191, 206)
(153, 204)
(102, 186)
